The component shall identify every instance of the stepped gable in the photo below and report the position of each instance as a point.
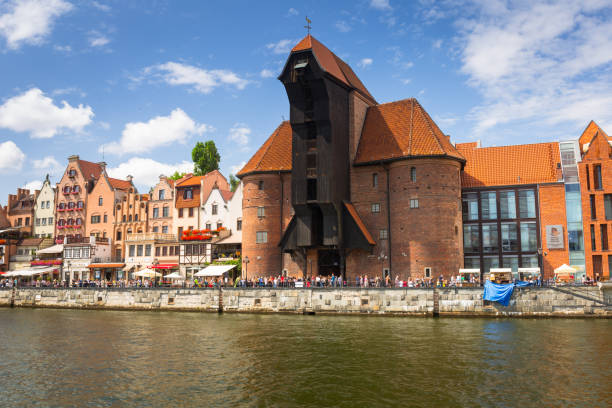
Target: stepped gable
(509, 165)
(332, 64)
(273, 155)
(119, 184)
(88, 169)
(402, 129)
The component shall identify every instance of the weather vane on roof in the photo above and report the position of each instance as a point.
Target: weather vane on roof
(307, 26)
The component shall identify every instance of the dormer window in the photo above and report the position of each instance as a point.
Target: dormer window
(188, 194)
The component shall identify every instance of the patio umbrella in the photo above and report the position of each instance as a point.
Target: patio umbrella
(174, 275)
(147, 273)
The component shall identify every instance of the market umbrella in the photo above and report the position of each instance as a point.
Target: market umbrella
(173, 275)
(147, 273)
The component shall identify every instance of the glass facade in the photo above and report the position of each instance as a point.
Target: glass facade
(575, 235)
(501, 229)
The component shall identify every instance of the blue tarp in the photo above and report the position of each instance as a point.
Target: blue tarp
(496, 292)
(522, 284)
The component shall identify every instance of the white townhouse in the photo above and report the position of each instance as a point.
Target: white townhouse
(44, 209)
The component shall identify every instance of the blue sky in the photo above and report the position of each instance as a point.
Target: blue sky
(142, 81)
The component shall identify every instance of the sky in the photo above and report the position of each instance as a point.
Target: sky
(136, 83)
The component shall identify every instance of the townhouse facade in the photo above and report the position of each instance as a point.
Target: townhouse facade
(20, 210)
(161, 204)
(71, 197)
(44, 211)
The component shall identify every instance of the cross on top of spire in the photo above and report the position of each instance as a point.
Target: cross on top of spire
(307, 26)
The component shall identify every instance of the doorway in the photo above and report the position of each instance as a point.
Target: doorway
(329, 262)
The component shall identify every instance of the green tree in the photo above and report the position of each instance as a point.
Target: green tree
(205, 158)
(234, 182)
(176, 175)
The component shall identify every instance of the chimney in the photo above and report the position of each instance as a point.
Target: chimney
(129, 178)
(73, 158)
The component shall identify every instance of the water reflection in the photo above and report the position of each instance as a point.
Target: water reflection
(136, 359)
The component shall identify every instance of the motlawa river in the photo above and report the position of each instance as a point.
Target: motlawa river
(72, 358)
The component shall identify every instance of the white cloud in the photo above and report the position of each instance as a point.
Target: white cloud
(35, 113)
(380, 4)
(141, 137)
(365, 62)
(100, 6)
(281, 47)
(30, 21)
(200, 80)
(539, 63)
(437, 44)
(63, 48)
(47, 163)
(292, 12)
(236, 168)
(406, 81)
(104, 125)
(239, 133)
(33, 185)
(343, 26)
(11, 157)
(267, 73)
(97, 39)
(146, 171)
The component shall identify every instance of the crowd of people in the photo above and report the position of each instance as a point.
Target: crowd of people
(279, 281)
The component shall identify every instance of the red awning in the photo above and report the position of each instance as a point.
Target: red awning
(164, 266)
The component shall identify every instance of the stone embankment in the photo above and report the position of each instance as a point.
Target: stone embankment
(525, 302)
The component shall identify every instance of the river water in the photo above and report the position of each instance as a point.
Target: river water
(62, 358)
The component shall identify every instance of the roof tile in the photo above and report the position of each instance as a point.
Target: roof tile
(274, 154)
(509, 165)
(332, 64)
(401, 129)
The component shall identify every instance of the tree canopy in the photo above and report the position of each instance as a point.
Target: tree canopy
(205, 158)
(176, 175)
(234, 182)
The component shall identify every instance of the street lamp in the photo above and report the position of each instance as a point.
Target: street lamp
(382, 258)
(246, 267)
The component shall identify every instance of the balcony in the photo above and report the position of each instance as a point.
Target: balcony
(21, 258)
(150, 236)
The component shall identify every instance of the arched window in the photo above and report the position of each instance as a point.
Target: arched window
(413, 174)
(130, 218)
(135, 217)
(80, 204)
(79, 221)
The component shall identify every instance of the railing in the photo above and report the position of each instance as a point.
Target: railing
(21, 258)
(108, 259)
(150, 236)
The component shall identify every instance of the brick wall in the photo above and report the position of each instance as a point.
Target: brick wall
(552, 212)
(428, 236)
(265, 258)
(600, 219)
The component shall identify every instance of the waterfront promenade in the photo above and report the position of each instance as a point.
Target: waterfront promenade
(584, 301)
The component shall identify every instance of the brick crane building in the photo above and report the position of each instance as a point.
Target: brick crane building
(349, 186)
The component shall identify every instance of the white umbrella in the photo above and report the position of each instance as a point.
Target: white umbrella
(173, 275)
(215, 270)
(147, 273)
(564, 270)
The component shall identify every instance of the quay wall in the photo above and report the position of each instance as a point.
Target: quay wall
(525, 302)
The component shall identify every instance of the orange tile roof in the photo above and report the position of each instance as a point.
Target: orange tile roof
(227, 195)
(599, 147)
(589, 133)
(119, 184)
(509, 165)
(88, 169)
(401, 129)
(333, 65)
(353, 212)
(274, 155)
